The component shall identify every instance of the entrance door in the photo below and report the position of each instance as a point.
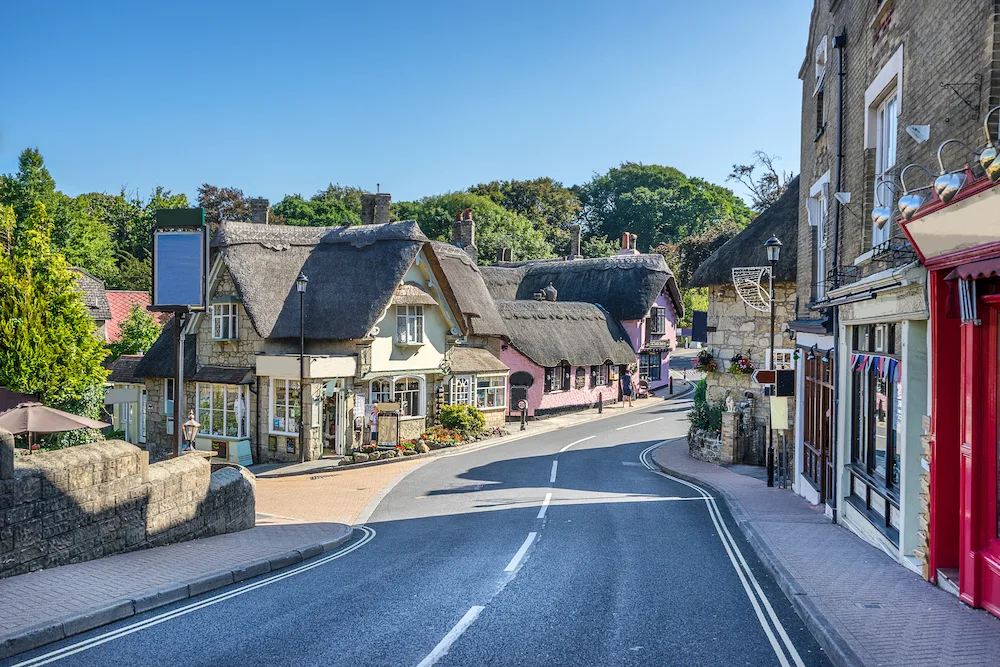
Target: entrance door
(817, 404)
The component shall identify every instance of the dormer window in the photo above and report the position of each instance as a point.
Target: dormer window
(224, 321)
(409, 325)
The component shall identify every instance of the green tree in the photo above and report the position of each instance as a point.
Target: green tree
(333, 206)
(47, 341)
(496, 227)
(547, 203)
(138, 333)
(598, 246)
(765, 183)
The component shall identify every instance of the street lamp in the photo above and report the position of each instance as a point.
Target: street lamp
(773, 248)
(300, 286)
(190, 430)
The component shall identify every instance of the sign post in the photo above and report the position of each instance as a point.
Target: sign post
(180, 284)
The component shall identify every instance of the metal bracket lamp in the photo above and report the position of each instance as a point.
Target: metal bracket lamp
(911, 202)
(882, 213)
(948, 183)
(989, 159)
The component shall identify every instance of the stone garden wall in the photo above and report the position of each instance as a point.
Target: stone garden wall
(104, 498)
(705, 445)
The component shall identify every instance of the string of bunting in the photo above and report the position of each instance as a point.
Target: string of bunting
(884, 367)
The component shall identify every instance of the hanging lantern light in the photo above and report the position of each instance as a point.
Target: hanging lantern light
(910, 202)
(881, 213)
(949, 183)
(988, 158)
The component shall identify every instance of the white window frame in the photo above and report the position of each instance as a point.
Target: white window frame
(495, 389)
(379, 395)
(888, 83)
(412, 319)
(168, 403)
(222, 314)
(242, 421)
(818, 208)
(288, 405)
(465, 397)
(784, 358)
(421, 390)
(819, 63)
(887, 133)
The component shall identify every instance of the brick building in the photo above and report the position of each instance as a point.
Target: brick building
(884, 83)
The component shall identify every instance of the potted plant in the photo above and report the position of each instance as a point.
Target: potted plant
(741, 364)
(706, 362)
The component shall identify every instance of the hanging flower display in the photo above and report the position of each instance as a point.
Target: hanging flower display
(740, 364)
(706, 362)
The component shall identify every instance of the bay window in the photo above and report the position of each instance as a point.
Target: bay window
(491, 391)
(222, 410)
(461, 390)
(285, 414)
(409, 325)
(224, 321)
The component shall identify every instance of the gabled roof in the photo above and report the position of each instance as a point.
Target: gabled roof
(95, 296)
(352, 272)
(550, 333)
(120, 303)
(465, 281)
(624, 285)
(123, 369)
(747, 247)
(474, 360)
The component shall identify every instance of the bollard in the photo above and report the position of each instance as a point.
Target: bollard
(524, 418)
(6, 454)
(600, 403)
(671, 385)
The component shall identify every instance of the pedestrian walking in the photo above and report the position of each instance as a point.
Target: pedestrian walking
(373, 424)
(627, 386)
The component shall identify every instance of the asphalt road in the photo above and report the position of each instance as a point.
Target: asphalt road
(470, 561)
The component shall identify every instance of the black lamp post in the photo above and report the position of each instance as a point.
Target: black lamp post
(773, 248)
(300, 286)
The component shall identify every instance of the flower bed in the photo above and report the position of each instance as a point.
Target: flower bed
(436, 437)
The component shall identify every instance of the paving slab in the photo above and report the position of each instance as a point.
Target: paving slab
(863, 607)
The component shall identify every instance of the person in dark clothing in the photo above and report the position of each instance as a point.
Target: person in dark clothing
(627, 386)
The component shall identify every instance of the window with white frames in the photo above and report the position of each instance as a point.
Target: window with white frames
(284, 406)
(461, 390)
(168, 397)
(784, 359)
(491, 391)
(222, 410)
(409, 325)
(406, 392)
(380, 391)
(885, 159)
(818, 206)
(224, 321)
(819, 63)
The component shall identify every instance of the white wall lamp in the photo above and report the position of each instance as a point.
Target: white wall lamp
(911, 202)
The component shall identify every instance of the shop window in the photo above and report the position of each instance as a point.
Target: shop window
(409, 325)
(406, 392)
(491, 391)
(380, 391)
(784, 359)
(222, 410)
(612, 374)
(594, 376)
(567, 378)
(649, 365)
(285, 406)
(224, 321)
(461, 390)
(550, 374)
(581, 378)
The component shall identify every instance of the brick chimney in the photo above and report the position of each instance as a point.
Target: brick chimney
(382, 200)
(628, 245)
(463, 234)
(367, 208)
(574, 242)
(260, 210)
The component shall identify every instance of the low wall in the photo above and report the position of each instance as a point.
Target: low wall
(95, 500)
(705, 445)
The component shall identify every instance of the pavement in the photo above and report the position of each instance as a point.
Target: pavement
(565, 547)
(864, 607)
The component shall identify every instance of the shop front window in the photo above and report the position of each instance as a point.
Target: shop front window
(285, 406)
(491, 391)
(222, 410)
(407, 394)
(649, 365)
(461, 390)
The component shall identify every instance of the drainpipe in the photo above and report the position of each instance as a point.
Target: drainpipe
(839, 43)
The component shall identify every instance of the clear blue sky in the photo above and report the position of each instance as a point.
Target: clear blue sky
(423, 98)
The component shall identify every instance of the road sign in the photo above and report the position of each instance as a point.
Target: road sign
(522, 405)
(762, 376)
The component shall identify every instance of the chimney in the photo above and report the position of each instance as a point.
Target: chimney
(628, 245)
(382, 200)
(504, 255)
(574, 242)
(260, 210)
(463, 233)
(367, 208)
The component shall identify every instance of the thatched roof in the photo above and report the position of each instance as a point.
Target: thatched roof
(123, 369)
(747, 247)
(552, 332)
(352, 272)
(412, 294)
(624, 285)
(467, 289)
(95, 296)
(158, 362)
(474, 360)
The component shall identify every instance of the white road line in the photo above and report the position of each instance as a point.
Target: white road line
(81, 646)
(589, 437)
(648, 421)
(552, 477)
(441, 649)
(545, 505)
(516, 560)
(743, 571)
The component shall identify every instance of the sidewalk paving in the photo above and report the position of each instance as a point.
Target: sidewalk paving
(48, 605)
(863, 607)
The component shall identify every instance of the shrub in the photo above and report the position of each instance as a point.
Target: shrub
(701, 393)
(463, 418)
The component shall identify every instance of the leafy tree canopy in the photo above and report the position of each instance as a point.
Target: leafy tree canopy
(335, 205)
(138, 332)
(223, 203)
(496, 227)
(549, 205)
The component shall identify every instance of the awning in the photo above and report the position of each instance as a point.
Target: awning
(985, 268)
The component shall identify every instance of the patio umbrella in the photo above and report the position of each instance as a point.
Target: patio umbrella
(36, 418)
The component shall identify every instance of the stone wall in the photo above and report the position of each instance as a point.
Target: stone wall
(104, 498)
(238, 353)
(704, 445)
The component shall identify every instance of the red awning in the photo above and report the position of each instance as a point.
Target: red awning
(982, 269)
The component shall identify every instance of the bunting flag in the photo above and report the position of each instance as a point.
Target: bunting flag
(854, 361)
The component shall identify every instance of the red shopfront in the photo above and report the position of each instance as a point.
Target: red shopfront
(959, 243)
